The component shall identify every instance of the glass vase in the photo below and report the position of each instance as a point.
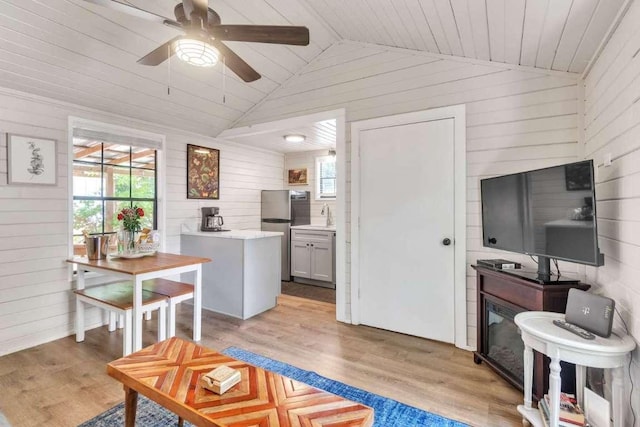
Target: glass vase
(126, 242)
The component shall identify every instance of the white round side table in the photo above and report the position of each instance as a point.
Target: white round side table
(539, 333)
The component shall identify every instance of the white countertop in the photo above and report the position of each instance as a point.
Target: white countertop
(235, 234)
(314, 227)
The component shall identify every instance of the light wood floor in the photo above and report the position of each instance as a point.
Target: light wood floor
(64, 383)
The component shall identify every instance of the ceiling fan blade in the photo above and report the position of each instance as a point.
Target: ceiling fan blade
(159, 54)
(280, 34)
(135, 11)
(235, 63)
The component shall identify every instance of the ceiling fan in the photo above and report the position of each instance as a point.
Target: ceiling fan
(201, 44)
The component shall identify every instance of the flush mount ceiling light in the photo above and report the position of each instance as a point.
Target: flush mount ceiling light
(196, 52)
(294, 138)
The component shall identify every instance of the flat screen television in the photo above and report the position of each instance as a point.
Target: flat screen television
(549, 213)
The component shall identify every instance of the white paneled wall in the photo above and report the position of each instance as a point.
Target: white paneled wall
(516, 119)
(612, 131)
(307, 159)
(36, 305)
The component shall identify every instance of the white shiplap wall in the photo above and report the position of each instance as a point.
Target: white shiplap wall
(612, 130)
(35, 294)
(517, 118)
(307, 159)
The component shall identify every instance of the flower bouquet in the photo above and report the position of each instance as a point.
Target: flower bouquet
(130, 218)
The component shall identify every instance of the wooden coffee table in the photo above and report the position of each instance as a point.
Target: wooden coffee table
(168, 373)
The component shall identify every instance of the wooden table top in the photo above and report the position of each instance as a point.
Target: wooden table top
(168, 373)
(147, 264)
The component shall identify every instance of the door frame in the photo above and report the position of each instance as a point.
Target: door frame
(458, 113)
(287, 124)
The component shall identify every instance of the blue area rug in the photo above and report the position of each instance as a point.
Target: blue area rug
(388, 412)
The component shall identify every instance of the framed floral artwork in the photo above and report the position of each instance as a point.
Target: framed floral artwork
(31, 160)
(203, 172)
(298, 176)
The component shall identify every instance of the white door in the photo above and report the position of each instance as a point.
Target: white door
(406, 268)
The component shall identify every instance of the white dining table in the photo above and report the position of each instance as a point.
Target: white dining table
(137, 270)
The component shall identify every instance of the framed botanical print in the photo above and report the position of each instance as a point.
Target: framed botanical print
(31, 160)
(203, 172)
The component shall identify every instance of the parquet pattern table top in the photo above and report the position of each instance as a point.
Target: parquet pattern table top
(168, 373)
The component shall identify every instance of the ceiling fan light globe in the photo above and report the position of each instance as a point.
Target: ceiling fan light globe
(196, 52)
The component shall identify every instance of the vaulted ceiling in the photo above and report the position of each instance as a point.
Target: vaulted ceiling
(549, 34)
(75, 51)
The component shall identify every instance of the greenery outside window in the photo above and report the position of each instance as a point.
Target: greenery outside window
(325, 177)
(108, 177)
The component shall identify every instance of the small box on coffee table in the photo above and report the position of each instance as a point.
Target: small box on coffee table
(220, 379)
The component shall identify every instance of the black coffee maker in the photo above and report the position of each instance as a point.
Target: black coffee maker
(211, 221)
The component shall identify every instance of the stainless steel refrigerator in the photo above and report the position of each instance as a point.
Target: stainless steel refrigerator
(282, 209)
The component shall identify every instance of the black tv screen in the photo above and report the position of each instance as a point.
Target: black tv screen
(548, 212)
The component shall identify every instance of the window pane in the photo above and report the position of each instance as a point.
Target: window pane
(86, 180)
(116, 181)
(87, 150)
(328, 186)
(149, 213)
(144, 183)
(328, 169)
(87, 215)
(111, 210)
(115, 154)
(120, 171)
(143, 158)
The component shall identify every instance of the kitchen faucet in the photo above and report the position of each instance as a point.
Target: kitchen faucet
(326, 210)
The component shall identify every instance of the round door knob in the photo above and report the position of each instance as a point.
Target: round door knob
(446, 241)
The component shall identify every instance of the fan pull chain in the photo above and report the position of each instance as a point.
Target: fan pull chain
(224, 80)
(169, 70)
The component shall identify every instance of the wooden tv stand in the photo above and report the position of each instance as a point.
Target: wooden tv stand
(515, 294)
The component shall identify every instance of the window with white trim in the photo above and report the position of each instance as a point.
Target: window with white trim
(109, 174)
(325, 177)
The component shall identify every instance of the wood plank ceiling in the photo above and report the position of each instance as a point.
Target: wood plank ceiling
(318, 136)
(78, 52)
(550, 34)
(75, 51)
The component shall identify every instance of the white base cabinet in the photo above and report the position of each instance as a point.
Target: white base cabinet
(243, 278)
(312, 255)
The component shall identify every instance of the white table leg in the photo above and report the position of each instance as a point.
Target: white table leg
(137, 313)
(112, 321)
(554, 391)
(79, 307)
(162, 323)
(528, 375)
(617, 391)
(171, 320)
(581, 374)
(197, 304)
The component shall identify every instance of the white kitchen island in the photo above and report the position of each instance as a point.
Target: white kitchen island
(243, 278)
